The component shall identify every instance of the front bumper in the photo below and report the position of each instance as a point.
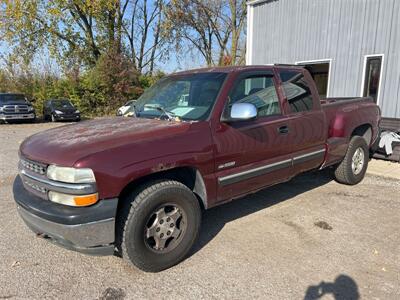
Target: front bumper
(67, 117)
(89, 230)
(27, 116)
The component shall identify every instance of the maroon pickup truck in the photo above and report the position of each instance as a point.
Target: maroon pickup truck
(136, 185)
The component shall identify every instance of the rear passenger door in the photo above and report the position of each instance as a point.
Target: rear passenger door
(306, 119)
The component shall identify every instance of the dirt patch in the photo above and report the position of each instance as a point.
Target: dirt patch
(345, 194)
(112, 294)
(324, 225)
(7, 180)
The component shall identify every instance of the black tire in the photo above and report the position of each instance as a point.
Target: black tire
(344, 172)
(135, 215)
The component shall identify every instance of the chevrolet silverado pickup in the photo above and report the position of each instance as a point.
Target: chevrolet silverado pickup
(135, 186)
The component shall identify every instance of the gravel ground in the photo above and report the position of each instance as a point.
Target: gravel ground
(308, 238)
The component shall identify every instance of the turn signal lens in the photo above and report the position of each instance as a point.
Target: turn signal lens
(73, 200)
(85, 200)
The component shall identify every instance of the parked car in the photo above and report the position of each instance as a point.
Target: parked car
(138, 185)
(123, 109)
(16, 107)
(60, 110)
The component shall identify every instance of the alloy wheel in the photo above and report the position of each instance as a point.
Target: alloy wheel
(357, 162)
(165, 228)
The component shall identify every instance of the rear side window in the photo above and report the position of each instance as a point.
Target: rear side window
(257, 90)
(297, 91)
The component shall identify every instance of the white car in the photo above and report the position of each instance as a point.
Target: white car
(123, 109)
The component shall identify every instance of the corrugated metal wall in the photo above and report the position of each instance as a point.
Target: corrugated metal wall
(288, 31)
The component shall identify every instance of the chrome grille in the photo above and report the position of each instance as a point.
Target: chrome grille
(15, 108)
(33, 166)
(35, 186)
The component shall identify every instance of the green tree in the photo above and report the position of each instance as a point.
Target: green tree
(115, 79)
(78, 32)
(214, 27)
(81, 29)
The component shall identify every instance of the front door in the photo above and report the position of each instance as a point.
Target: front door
(255, 153)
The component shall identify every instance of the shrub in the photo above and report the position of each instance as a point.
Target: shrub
(97, 91)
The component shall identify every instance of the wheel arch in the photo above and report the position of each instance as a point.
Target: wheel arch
(365, 131)
(189, 176)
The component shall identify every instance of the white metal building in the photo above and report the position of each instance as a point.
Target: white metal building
(351, 47)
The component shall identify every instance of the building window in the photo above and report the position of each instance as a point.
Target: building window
(320, 73)
(297, 91)
(372, 76)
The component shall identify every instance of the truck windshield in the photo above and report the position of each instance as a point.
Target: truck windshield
(13, 99)
(188, 97)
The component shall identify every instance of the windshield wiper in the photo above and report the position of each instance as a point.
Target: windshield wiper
(170, 115)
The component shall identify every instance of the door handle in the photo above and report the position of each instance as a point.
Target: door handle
(283, 129)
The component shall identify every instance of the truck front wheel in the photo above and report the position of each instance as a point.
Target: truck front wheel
(158, 225)
(354, 165)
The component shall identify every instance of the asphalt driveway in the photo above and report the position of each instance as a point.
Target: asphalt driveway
(307, 238)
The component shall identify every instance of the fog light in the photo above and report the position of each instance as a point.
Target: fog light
(73, 200)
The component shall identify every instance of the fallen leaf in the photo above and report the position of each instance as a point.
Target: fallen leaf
(15, 264)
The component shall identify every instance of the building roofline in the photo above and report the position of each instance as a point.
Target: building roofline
(255, 2)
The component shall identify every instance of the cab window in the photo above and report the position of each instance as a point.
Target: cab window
(257, 90)
(297, 91)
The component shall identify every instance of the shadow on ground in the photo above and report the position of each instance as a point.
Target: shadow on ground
(216, 218)
(343, 288)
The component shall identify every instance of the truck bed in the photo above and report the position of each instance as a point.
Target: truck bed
(356, 106)
(342, 115)
(344, 100)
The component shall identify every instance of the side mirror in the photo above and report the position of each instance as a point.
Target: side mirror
(242, 112)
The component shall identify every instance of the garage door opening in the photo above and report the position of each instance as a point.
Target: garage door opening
(320, 72)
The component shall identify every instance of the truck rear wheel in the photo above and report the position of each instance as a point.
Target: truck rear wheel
(354, 165)
(159, 225)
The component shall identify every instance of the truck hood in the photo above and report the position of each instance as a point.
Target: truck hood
(12, 103)
(67, 144)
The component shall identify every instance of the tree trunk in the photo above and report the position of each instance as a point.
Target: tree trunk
(233, 6)
(156, 38)
(144, 37)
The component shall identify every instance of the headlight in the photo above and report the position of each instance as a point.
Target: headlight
(1, 109)
(30, 108)
(70, 175)
(73, 200)
(58, 112)
(77, 111)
